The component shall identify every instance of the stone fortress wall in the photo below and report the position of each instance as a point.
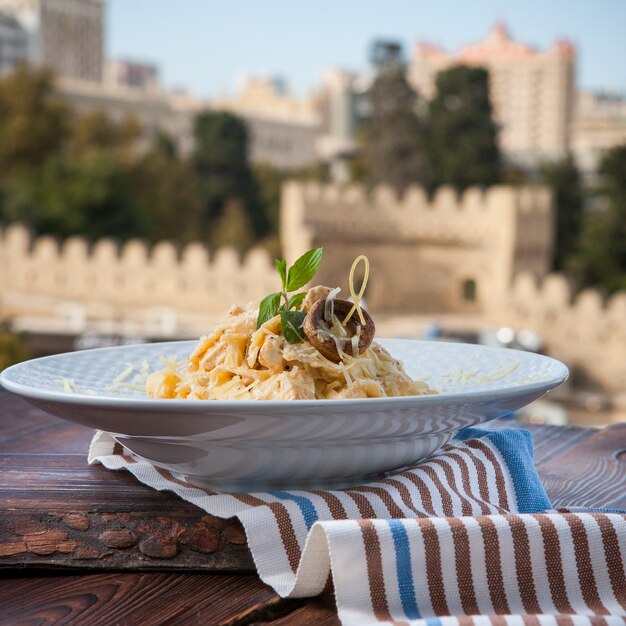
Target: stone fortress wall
(586, 331)
(160, 290)
(423, 250)
(486, 254)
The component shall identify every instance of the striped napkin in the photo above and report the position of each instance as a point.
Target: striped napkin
(467, 537)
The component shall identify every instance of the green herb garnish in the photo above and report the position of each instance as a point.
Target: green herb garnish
(298, 275)
(291, 323)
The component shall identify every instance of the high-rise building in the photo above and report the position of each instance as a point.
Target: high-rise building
(336, 99)
(283, 128)
(532, 91)
(13, 43)
(131, 74)
(65, 35)
(599, 125)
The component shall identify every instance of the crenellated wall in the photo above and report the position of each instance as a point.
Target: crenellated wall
(426, 249)
(586, 331)
(350, 212)
(160, 288)
(422, 253)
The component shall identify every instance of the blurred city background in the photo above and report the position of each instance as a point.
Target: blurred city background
(483, 173)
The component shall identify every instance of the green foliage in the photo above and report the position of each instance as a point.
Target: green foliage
(291, 325)
(232, 228)
(281, 268)
(298, 275)
(91, 175)
(301, 272)
(268, 307)
(95, 131)
(270, 181)
(357, 163)
(12, 347)
(601, 256)
(34, 121)
(296, 300)
(71, 196)
(564, 179)
(164, 192)
(463, 135)
(394, 136)
(220, 161)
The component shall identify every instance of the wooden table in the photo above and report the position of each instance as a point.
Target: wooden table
(81, 544)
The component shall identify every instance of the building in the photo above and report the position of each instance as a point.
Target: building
(482, 256)
(463, 251)
(599, 125)
(124, 72)
(336, 102)
(156, 109)
(13, 43)
(283, 129)
(532, 91)
(65, 35)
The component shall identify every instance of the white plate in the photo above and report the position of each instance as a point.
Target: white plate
(255, 445)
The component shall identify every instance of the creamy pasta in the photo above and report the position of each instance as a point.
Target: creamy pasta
(239, 361)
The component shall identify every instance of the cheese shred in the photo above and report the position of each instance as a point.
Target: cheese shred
(239, 361)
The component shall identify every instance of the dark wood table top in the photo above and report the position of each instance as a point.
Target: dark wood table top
(81, 544)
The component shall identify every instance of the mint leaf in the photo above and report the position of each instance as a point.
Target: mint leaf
(281, 268)
(296, 300)
(267, 308)
(291, 322)
(301, 272)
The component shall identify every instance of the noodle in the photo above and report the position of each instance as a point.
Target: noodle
(239, 361)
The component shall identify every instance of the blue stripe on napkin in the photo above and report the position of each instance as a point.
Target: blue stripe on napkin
(309, 512)
(403, 568)
(516, 447)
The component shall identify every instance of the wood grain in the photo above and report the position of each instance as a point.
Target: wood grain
(591, 474)
(135, 598)
(313, 612)
(58, 514)
(92, 518)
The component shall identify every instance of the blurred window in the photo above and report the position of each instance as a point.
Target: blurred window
(469, 290)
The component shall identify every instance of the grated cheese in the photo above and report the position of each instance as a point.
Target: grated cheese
(328, 304)
(302, 373)
(133, 387)
(124, 374)
(501, 372)
(346, 374)
(67, 384)
(355, 345)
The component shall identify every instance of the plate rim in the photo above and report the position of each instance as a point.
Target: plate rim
(468, 396)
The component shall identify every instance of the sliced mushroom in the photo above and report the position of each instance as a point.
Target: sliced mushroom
(315, 327)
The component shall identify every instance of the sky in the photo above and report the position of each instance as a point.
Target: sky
(207, 46)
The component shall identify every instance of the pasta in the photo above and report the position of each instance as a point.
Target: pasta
(237, 361)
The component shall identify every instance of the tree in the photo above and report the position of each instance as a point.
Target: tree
(394, 136)
(34, 121)
(77, 196)
(164, 191)
(270, 181)
(12, 347)
(601, 257)
(232, 228)
(564, 179)
(463, 135)
(220, 161)
(96, 131)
